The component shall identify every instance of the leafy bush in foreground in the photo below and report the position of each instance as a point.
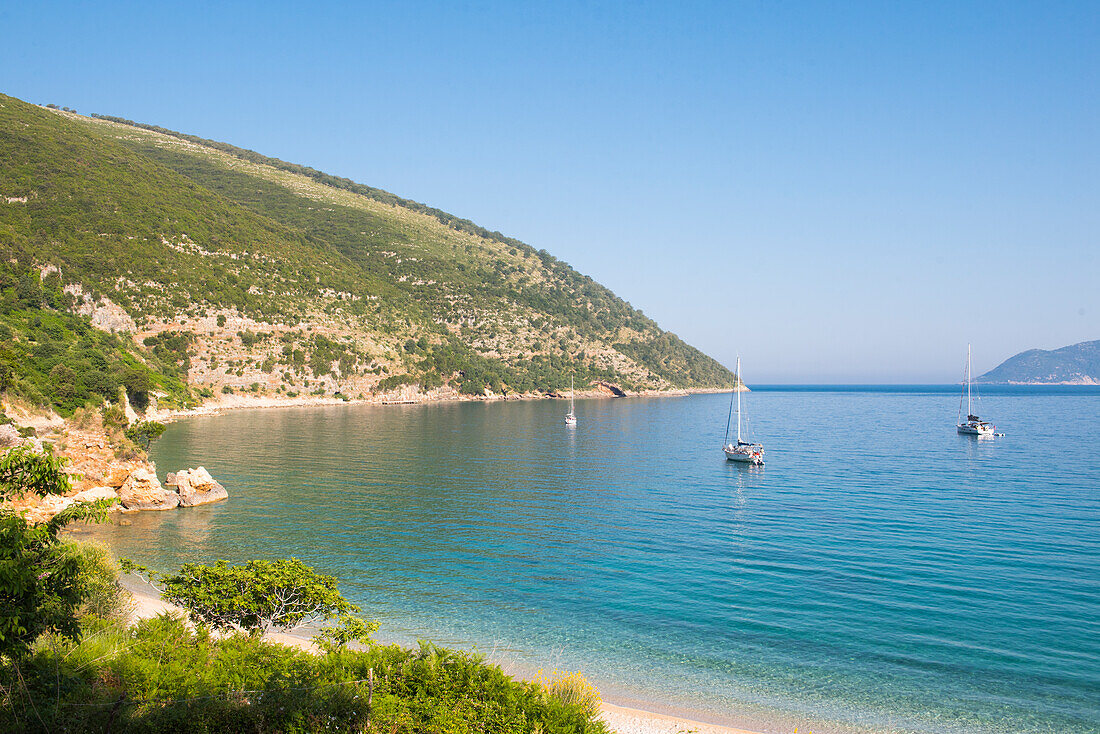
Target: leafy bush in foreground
(161, 676)
(42, 582)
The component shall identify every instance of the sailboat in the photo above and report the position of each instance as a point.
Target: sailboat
(973, 425)
(743, 451)
(571, 416)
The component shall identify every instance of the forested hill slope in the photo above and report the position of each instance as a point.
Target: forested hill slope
(1077, 364)
(234, 272)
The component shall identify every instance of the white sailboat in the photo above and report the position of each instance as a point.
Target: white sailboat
(973, 425)
(571, 416)
(743, 451)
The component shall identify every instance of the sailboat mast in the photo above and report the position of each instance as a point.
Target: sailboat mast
(969, 408)
(571, 394)
(737, 389)
(729, 418)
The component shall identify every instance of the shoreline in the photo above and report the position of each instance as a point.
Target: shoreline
(621, 719)
(218, 406)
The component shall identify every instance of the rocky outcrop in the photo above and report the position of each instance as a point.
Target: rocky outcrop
(117, 474)
(196, 487)
(9, 436)
(52, 504)
(131, 414)
(610, 388)
(47, 508)
(96, 472)
(142, 491)
(106, 314)
(95, 494)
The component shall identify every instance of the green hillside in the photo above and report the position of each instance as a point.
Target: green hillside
(233, 271)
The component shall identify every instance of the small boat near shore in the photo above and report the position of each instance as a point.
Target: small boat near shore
(973, 425)
(741, 451)
(571, 416)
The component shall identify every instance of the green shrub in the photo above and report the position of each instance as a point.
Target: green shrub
(40, 578)
(161, 676)
(144, 433)
(572, 689)
(25, 470)
(255, 596)
(102, 594)
(393, 382)
(114, 418)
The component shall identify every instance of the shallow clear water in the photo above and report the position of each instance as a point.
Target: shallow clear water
(881, 573)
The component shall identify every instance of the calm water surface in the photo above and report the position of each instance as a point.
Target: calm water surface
(881, 573)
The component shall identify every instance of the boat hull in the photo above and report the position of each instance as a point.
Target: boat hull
(744, 457)
(966, 429)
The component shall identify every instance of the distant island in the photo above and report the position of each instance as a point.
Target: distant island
(1077, 364)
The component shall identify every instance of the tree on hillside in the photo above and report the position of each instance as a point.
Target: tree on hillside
(138, 384)
(143, 433)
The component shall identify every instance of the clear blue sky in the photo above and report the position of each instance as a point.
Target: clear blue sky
(838, 191)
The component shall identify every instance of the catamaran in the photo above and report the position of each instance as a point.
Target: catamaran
(743, 451)
(973, 425)
(571, 416)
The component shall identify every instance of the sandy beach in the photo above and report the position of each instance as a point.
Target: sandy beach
(620, 719)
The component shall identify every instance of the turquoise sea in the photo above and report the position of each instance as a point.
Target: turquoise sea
(880, 574)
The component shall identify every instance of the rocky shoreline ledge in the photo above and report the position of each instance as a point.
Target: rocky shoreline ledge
(98, 472)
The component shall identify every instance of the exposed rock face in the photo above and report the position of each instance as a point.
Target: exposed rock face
(610, 388)
(142, 491)
(116, 475)
(50, 505)
(197, 487)
(106, 315)
(131, 414)
(9, 436)
(47, 508)
(94, 494)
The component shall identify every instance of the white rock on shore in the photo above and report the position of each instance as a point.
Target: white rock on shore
(48, 507)
(196, 487)
(142, 491)
(95, 494)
